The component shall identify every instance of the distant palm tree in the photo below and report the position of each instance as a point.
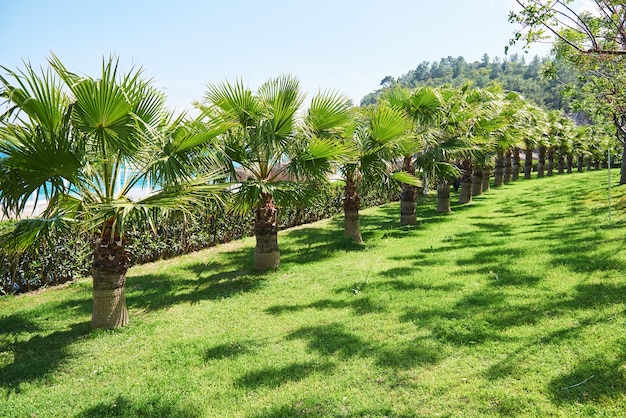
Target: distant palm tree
(531, 136)
(453, 141)
(274, 156)
(83, 144)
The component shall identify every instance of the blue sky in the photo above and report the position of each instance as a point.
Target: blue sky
(345, 45)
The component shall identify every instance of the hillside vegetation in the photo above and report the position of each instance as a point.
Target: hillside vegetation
(513, 73)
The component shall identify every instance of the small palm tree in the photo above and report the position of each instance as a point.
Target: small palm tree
(273, 156)
(375, 140)
(424, 106)
(84, 144)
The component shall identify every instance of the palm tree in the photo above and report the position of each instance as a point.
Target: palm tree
(69, 139)
(484, 110)
(452, 142)
(274, 156)
(531, 136)
(424, 106)
(516, 118)
(556, 133)
(378, 132)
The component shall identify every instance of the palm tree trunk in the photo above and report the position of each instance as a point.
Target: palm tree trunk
(465, 195)
(541, 164)
(596, 164)
(515, 165)
(506, 178)
(486, 175)
(109, 267)
(589, 163)
(351, 225)
(443, 197)
(550, 161)
(498, 174)
(477, 182)
(561, 164)
(581, 163)
(569, 163)
(266, 253)
(622, 177)
(528, 164)
(408, 196)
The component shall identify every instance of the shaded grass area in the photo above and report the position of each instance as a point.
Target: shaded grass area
(513, 305)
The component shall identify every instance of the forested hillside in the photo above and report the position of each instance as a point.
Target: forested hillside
(513, 73)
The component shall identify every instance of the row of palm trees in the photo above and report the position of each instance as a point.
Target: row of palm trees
(68, 137)
(469, 135)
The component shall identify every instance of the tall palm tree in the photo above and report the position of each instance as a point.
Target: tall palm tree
(274, 156)
(378, 131)
(83, 144)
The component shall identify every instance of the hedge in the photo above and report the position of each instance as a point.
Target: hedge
(68, 256)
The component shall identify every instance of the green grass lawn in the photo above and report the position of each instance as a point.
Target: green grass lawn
(513, 305)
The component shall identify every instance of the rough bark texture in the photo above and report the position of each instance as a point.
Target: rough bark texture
(498, 174)
(109, 299)
(408, 196)
(477, 182)
(570, 163)
(622, 177)
(541, 163)
(596, 164)
(550, 165)
(561, 164)
(351, 227)
(110, 264)
(581, 163)
(515, 166)
(266, 254)
(528, 164)
(506, 177)
(465, 194)
(486, 176)
(443, 197)
(588, 163)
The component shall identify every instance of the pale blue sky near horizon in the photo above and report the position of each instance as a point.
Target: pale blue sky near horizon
(343, 45)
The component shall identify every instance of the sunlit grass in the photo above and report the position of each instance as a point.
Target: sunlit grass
(510, 306)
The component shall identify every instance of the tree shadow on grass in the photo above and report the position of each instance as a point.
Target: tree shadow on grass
(588, 296)
(38, 356)
(419, 352)
(360, 306)
(16, 323)
(230, 350)
(210, 281)
(123, 407)
(278, 376)
(591, 380)
(309, 244)
(332, 340)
